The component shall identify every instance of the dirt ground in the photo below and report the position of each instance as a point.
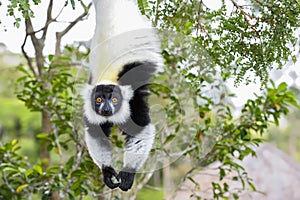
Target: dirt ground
(275, 175)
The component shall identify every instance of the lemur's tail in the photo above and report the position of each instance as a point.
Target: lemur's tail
(123, 40)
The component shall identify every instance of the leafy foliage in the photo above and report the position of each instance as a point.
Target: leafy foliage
(245, 40)
(24, 7)
(72, 178)
(215, 135)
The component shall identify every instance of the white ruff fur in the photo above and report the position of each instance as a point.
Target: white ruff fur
(122, 35)
(119, 117)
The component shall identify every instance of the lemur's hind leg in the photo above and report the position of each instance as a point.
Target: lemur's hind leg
(140, 136)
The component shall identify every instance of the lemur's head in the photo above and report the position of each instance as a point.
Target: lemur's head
(106, 99)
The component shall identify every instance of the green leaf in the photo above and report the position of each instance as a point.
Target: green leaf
(169, 138)
(21, 187)
(14, 142)
(42, 135)
(222, 173)
(282, 87)
(187, 25)
(29, 172)
(76, 185)
(294, 58)
(143, 6)
(235, 196)
(38, 169)
(193, 181)
(50, 57)
(73, 4)
(252, 186)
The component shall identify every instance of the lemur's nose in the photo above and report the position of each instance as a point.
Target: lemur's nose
(106, 110)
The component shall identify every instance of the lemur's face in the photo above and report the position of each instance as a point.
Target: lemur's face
(106, 99)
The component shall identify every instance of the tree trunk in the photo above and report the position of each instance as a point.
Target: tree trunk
(46, 128)
(44, 154)
(167, 179)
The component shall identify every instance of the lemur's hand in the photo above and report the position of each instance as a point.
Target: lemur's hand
(109, 174)
(127, 179)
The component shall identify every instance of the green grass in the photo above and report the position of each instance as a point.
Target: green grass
(21, 124)
(150, 194)
(12, 111)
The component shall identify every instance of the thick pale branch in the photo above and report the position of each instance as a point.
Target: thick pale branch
(38, 45)
(30, 31)
(43, 29)
(59, 35)
(49, 19)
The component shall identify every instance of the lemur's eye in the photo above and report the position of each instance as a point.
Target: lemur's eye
(99, 100)
(114, 100)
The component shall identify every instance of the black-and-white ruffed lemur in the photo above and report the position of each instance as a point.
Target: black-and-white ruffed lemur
(125, 54)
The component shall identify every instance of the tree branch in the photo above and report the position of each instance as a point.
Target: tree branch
(37, 44)
(59, 35)
(38, 47)
(262, 4)
(49, 20)
(156, 12)
(245, 15)
(199, 16)
(28, 59)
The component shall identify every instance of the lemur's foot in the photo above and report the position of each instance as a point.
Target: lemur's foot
(126, 179)
(109, 174)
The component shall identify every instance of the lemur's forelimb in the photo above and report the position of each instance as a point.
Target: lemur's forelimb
(100, 149)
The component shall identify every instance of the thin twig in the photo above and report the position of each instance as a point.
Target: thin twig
(156, 14)
(245, 15)
(59, 35)
(49, 19)
(202, 28)
(7, 182)
(178, 186)
(143, 182)
(199, 16)
(61, 10)
(262, 4)
(28, 59)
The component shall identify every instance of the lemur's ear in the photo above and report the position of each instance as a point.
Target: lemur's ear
(127, 91)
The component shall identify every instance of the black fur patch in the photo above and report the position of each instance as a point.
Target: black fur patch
(106, 128)
(139, 108)
(137, 74)
(139, 116)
